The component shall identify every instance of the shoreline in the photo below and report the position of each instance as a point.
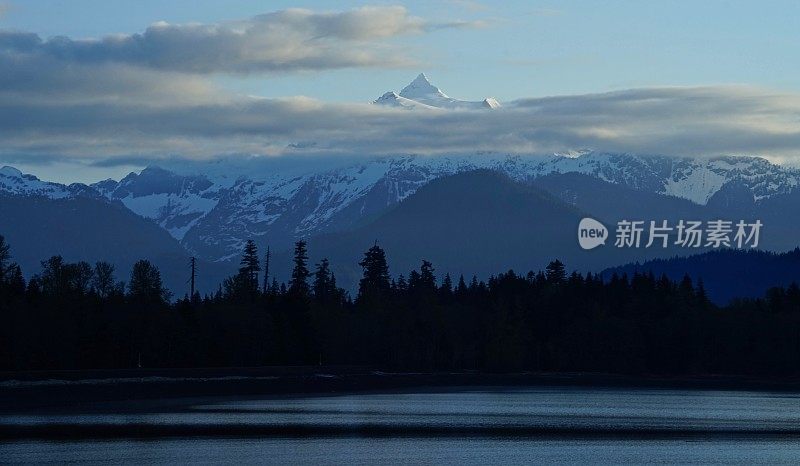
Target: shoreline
(24, 391)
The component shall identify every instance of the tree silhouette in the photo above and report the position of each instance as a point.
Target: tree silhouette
(250, 265)
(145, 284)
(73, 316)
(555, 272)
(298, 286)
(374, 282)
(324, 283)
(5, 257)
(103, 280)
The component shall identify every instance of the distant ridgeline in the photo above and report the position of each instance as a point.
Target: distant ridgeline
(726, 273)
(508, 211)
(78, 316)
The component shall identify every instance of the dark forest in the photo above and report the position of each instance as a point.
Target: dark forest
(80, 316)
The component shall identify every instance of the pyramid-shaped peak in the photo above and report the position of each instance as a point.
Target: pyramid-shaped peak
(420, 87)
(422, 79)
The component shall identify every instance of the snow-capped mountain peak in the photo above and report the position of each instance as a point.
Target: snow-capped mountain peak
(421, 87)
(421, 93)
(14, 182)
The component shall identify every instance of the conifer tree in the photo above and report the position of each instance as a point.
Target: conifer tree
(249, 265)
(401, 286)
(266, 272)
(324, 282)
(473, 284)
(555, 272)
(375, 279)
(298, 286)
(427, 278)
(461, 288)
(446, 289)
(424, 281)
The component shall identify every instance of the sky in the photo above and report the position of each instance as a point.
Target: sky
(94, 89)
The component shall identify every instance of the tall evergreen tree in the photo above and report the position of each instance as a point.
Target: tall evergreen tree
(473, 284)
(249, 265)
(555, 272)
(266, 271)
(401, 286)
(446, 289)
(461, 288)
(324, 282)
(424, 281)
(375, 279)
(447, 283)
(426, 276)
(298, 286)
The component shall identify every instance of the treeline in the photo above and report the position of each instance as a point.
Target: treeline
(79, 316)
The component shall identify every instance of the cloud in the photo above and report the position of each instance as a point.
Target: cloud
(678, 121)
(171, 64)
(281, 41)
(32, 79)
(147, 96)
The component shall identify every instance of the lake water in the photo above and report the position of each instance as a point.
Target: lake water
(473, 426)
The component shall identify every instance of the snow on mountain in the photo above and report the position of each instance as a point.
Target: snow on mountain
(173, 201)
(212, 207)
(391, 99)
(490, 102)
(420, 93)
(689, 178)
(14, 182)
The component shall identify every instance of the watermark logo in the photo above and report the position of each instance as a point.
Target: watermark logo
(686, 234)
(591, 233)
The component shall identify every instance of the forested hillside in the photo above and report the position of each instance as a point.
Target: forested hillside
(77, 315)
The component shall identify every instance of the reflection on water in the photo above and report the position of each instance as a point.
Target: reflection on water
(407, 451)
(477, 426)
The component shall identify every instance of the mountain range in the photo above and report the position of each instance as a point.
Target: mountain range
(209, 208)
(213, 207)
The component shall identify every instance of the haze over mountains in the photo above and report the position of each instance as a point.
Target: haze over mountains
(521, 218)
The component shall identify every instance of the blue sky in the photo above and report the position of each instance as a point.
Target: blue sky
(528, 48)
(471, 49)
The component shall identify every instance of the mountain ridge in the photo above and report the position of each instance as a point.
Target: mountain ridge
(212, 207)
